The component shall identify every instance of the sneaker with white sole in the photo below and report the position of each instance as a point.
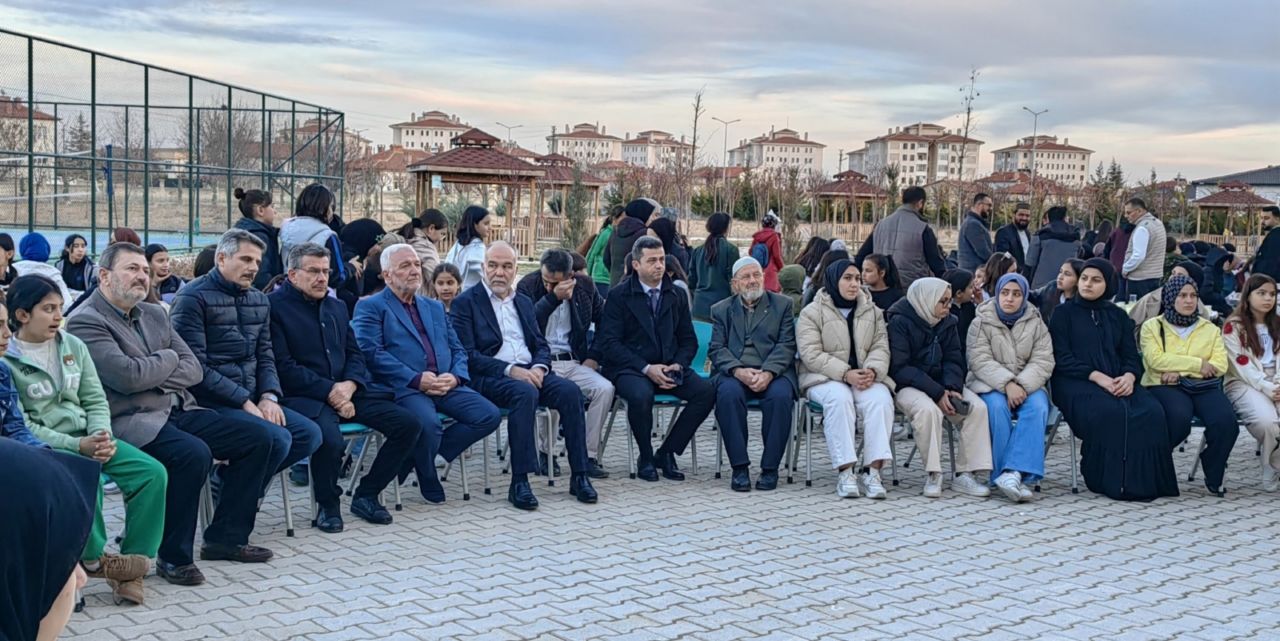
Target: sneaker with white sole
(964, 483)
(847, 485)
(1270, 478)
(874, 487)
(933, 485)
(1008, 483)
(1026, 492)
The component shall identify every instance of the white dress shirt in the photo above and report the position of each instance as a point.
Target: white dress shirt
(513, 350)
(558, 327)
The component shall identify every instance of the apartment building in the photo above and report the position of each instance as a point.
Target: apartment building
(585, 143)
(429, 131)
(923, 152)
(655, 150)
(779, 148)
(1059, 161)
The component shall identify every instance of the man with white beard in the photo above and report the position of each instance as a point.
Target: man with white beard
(752, 355)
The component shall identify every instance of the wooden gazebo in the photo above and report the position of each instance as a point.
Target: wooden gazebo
(839, 202)
(1235, 198)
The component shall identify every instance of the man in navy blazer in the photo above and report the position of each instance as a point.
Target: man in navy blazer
(512, 365)
(323, 374)
(413, 355)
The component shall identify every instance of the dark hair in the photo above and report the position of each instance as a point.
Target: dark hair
(250, 199)
(433, 218)
(70, 240)
(155, 248)
(959, 279)
(204, 261)
(1021, 206)
(674, 270)
(304, 250)
(1170, 244)
(25, 292)
(6, 242)
(642, 243)
(1270, 209)
(977, 198)
(1230, 248)
(812, 254)
(557, 261)
(913, 194)
(467, 223)
(315, 201)
(443, 268)
(997, 266)
(614, 212)
(817, 281)
(1244, 316)
(885, 264)
(579, 261)
(1105, 229)
(125, 235)
(1054, 213)
(717, 226)
(665, 228)
(1137, 202)
(112, 253)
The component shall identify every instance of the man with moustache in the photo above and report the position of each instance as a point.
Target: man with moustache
(1014, 238)
(975, 234)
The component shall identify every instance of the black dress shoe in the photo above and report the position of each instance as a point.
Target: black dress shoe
(369, 509)
(542, 464)
(595, 471)
(521, 495)
(580, 486)
(645, 471)
(666, 462)
(741, 480)
(768, 480)
(237, 553)
(187, 574)
(328, 520)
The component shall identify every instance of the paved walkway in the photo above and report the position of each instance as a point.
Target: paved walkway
(693, 560)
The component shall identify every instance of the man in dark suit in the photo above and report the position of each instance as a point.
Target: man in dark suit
(512, 363)
(1267, 259)
(753, 355)
(414, 355)
(1014, 237)
(647, 342)
(322, 371)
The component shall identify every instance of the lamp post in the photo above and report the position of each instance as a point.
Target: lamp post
(509, 128)
(1035, 128)
(724, 169)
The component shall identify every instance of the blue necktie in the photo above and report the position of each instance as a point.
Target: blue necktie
(655, 299)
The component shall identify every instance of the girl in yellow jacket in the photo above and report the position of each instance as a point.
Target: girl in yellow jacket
(1252, 337)
(1185, 360)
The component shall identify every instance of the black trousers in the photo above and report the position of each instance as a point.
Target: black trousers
(777, 403)
(186, 446)
(1220, 426)
(637, 390)
(398, 425)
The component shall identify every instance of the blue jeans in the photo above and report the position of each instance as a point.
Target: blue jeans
(1018, 448)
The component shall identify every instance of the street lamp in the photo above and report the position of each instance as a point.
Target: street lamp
(509, 128)
(724, 169)
(1035, 125)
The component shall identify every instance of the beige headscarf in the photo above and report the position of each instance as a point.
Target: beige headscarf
(924, 295)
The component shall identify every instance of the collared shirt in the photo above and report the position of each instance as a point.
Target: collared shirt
(130, 318)
(429, 361)
(558, 327)
(513, 350)
(1024, 240)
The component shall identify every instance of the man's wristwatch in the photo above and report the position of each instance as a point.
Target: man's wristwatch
(270, 397)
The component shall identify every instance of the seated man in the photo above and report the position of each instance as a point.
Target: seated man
(227, 325)
(753, 355)
(512, 364)
(145, 369)
(566, 305)
(647, 342)
(323, 374)
(413, 354)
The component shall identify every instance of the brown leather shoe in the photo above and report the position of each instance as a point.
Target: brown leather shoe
(237, 553)
(121, 567)
(127, 591)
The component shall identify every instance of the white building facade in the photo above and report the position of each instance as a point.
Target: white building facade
(585, 143)
(779, 148)
(429, 131)
(1059, 161)
(655, 150)
(923, 152)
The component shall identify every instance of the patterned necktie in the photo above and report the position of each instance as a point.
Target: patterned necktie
(655, 298)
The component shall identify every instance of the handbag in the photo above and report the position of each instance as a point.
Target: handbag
(1194, 386)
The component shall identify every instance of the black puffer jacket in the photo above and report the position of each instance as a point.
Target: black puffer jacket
(928, 358)
(624, 237)
(229, 330)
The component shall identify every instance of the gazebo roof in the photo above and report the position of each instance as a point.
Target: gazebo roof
(475, 152)
(1233, 194)
(559, 171)
(850, 184)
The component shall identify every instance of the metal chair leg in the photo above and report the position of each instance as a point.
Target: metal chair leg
(359, 463)
(550, 444)
(395, 492)
(631, 455)
(951, 445)
(893, 461)
(719, 448)
(462, 465)
(808, 455)
(484, 451)
(608, 429)
(288, 511)
(1075, 483)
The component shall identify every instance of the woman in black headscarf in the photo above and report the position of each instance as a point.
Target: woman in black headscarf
(665, 230)
(1127, 453)
(50, 502)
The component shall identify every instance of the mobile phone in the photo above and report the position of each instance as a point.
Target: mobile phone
(961, 406)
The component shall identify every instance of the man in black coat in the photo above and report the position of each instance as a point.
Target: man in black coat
(565, 305)
(647, 343)
(324, 377)
(1014, 237)
(1267, 259)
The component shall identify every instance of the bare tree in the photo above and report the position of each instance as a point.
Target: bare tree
(971, 94)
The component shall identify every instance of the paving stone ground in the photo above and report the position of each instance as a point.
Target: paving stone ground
(693, 560)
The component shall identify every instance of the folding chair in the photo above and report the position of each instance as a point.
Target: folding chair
(947, 426)
(811, 413)
(1050, 432)
(352, 433)
(205, 509)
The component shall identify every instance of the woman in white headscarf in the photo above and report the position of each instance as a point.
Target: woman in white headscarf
(927, 365)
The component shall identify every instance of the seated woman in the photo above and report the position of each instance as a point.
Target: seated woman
(880, 277)
(964, 300)
(1149, 307)
(445, 284)
(65, 407)
(1185, 360)
(927, 366)
(1127, 453)
(1252, 337)
(1010, 360)
(1061, 290)
(815, 283)
(998, 265)
(843, 345)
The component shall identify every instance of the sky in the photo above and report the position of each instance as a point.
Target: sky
(1181, 87)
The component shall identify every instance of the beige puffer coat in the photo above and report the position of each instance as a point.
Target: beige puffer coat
(822, 341)
(998, 354)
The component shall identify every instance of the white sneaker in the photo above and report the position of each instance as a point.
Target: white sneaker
(1270, 478)
(900, 431)
(875, 488)
(1009, 482)
(933, 485)
(847, 485)
(1026, 492)
(966, 484)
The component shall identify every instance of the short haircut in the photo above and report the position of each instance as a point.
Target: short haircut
(112, 253)
(1021, 206)
(434, 218)
(914, 194)
(231, 240)
(303, 250)
(384, 259)
(315, 201)
(642, 243)
(6, 242)
(155, 248)
(1137, 202)
(579, 261)
(557, 261)
(25, 292)
(500, 244)
(980, 196)
(1270, 209)
(614, 212)
(1171, 243)
(1056, 213)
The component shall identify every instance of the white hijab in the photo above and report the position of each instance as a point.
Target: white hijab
(924, 295)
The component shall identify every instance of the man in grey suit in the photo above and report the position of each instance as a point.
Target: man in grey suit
(752, 354)
(145, 368)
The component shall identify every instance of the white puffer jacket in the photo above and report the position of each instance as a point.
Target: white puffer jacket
(999, 354)
(822, 341)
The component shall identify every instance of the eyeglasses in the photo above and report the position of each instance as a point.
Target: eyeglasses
(315, 271)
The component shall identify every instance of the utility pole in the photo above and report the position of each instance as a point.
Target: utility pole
(509, 128)
(1035, 128)
(724, 161)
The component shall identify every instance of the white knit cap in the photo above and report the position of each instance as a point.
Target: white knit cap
(744, 262)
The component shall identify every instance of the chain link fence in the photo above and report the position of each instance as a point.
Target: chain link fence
(91, 141)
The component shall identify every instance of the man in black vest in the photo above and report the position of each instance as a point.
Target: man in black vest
(647, 342)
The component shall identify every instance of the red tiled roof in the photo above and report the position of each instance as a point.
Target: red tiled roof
(1045, 146)
(519, 152)
(850, 174)
(11, 107)
(476, 160)
(850, 187)
(904, 136)
(1233, 194)
(563, 175)
(433, 123)
(611, 165)
(395, 159)
(716, 173)
(586, 134)
(555, 159)
(662, 142)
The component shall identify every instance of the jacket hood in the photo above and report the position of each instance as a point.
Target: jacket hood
(250, 224)
(629, 226)
(791, 278)
(303, 229)
(1059, 230)
(763, 235)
